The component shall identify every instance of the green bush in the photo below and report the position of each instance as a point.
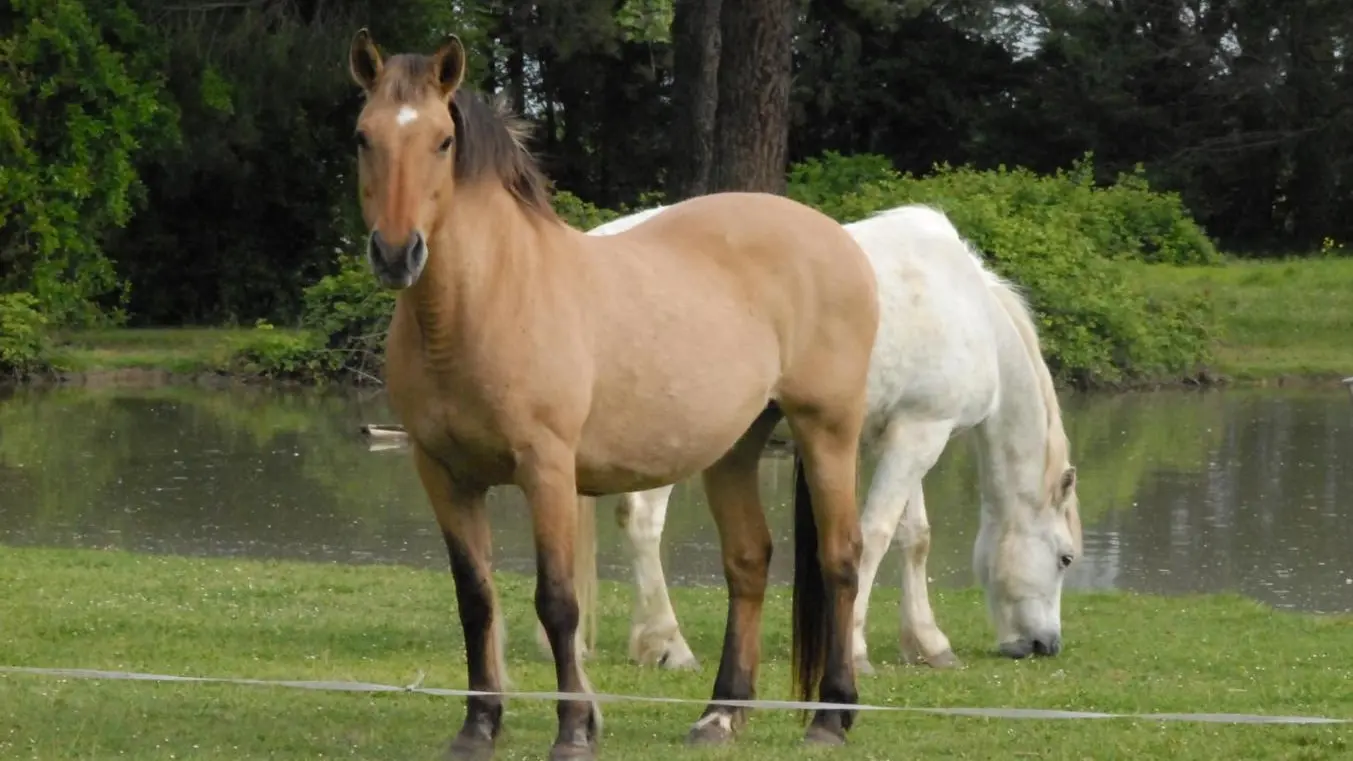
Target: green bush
(22, 335)
(1057, 237)
(271, 353)
(352, 312)
(579, 213)
(1147, 225)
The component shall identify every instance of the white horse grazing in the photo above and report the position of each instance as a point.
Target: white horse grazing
(956, 349)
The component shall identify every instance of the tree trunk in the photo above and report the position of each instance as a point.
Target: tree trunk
(751, 142)
(695, 96)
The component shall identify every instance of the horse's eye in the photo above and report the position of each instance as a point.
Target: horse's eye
(1066, 560)
(361, 140)
(446, 144)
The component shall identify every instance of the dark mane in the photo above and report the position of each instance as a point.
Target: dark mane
(490, 139)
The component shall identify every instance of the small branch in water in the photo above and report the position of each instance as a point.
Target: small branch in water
(368, 376)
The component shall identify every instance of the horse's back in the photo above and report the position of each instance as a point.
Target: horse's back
(789, 260)
(937, 350)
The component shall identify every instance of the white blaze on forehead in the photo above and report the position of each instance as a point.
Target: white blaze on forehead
(406, 115)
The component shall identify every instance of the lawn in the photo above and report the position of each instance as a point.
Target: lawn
(226, 617)
(1275, 319)
(176, 350)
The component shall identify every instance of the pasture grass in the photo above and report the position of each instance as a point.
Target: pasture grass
(281, 620)
(177, 350)
(1285, 319)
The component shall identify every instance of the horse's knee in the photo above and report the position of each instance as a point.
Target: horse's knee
(840, 560)
(913, 536)
(747, 568)
(876, 529)
(556, 605)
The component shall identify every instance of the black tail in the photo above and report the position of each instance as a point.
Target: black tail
(809, 643)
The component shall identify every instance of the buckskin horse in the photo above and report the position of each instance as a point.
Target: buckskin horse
(522, 351)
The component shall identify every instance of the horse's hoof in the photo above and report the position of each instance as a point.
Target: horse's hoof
(819, 735)
(864, 667)
(573, 751)
(712, 729)
(944, 660)
(470, 747)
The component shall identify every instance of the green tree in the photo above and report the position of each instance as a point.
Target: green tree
(80, 101)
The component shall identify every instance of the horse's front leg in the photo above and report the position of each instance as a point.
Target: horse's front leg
(828, 446)
(546, 474)
(655, 636)
(463, 518)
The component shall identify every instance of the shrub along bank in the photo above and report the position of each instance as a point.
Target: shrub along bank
(1060, 237)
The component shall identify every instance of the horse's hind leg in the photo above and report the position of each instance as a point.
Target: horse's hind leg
(922, 640)
(909, 450)
(655, 636)
(734, 499)
(826, 559)
(546, 474)
(463, 518)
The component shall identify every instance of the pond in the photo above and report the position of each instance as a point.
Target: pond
(1241, 490)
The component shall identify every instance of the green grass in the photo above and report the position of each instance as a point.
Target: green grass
(1275, 319)
(112, 610)
(177, 350)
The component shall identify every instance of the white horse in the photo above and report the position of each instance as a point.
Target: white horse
(956, 349)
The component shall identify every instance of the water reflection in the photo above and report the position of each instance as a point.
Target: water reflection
(1181, 492)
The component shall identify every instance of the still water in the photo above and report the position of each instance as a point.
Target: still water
(1241, 491)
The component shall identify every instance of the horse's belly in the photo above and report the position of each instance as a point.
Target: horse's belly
(650, 446)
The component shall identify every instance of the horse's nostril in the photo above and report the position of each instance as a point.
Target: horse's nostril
(1048, 645)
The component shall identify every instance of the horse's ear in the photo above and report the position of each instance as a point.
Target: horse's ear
(448, 65)
(1066, 483)
(364, 60)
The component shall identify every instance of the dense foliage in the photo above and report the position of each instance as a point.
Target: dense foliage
(80, 100)
(22, 336)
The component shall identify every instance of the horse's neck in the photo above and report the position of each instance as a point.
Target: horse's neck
(1014, 439)
(482, 259)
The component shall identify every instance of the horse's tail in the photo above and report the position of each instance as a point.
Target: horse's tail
(809, 643)
(585, 572)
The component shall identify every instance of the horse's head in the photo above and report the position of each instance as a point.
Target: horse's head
(405, 139)
(1022, 560)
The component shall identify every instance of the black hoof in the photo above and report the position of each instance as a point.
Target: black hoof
(573, 751)
(470, 747)
(820, 735)
(711, 730)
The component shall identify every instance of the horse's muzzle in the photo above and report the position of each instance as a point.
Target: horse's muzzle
(1050, 644)
(397, 266)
